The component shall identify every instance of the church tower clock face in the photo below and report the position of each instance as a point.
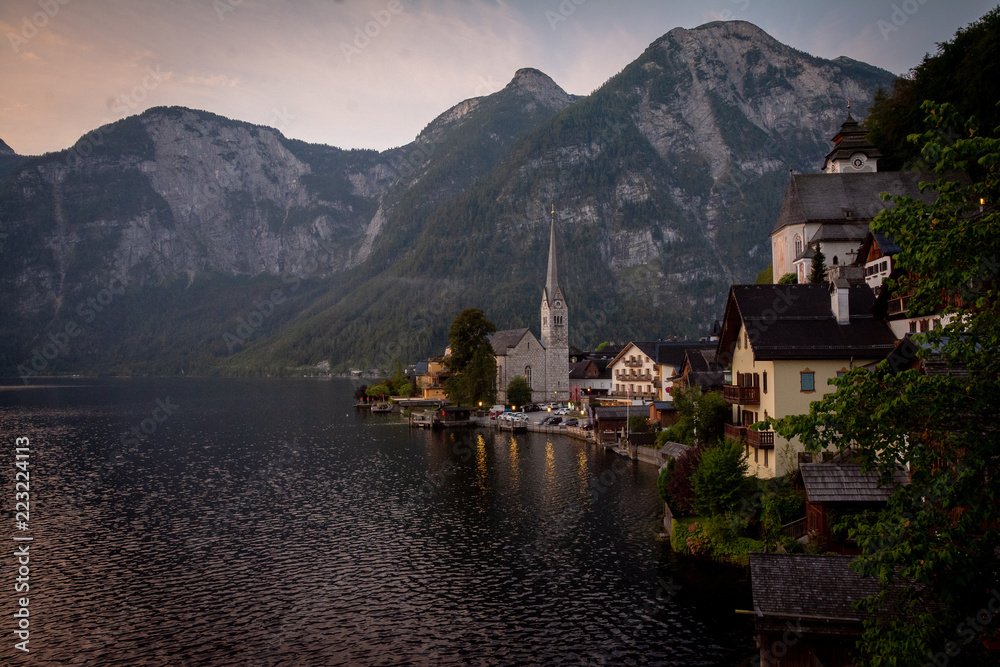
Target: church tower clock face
(558, 303)
(858, 160)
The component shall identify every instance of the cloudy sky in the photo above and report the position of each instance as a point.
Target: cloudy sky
(372, 74)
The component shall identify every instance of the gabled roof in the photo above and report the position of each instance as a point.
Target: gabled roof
(617, 412)
(807, 586)
(842, 198)
(796, 322)
(846, 483)
(852, 231)
(582, 370)
(506, 339)
(884, 243)
(663, 352)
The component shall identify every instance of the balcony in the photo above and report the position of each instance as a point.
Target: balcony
(735, 395)
(735, 432)
(657, 384)
(760, 439)
(633, 363)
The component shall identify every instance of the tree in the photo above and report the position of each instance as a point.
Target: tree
(940, 531)
(817, 268)
(471, 359)
(788, 279)
(380, 390)
(518, 391)
(700, 417)
(765, 277)
(718, 482)
(679, 484)
(360, 392)
(965, 71)
(638, 424)
(467, 334)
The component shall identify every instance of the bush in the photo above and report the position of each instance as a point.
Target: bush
(663, 480)
(718, 483)
(679, 484)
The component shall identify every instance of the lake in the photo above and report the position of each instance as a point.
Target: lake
(266, 522)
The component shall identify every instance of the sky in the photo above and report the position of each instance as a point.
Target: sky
(373, 74)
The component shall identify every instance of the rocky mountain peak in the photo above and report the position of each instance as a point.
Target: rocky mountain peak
(539, 85)
(5, 149)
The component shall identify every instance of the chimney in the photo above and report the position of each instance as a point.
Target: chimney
(840, 304)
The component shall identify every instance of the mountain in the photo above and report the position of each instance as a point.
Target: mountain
(223, 245)
(9, 160)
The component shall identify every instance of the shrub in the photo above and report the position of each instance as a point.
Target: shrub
(718, 482)
(679, 485)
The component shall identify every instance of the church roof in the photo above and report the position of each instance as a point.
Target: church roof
(840, 198)
(509, 338)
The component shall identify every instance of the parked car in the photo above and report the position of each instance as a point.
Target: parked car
(562, 411)
(532, 407)
(553, 421)
(571, 422)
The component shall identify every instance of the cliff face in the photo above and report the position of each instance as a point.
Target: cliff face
(666, 181)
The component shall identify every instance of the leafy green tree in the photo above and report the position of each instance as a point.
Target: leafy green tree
(380, 390)
(639, 424)
(518, 391)
(964, 71)
(467, 334)
(700, 417)
(765, 277)
(406, 390)
(719, 481)
(360, 392)
(398, 379)
(941, 530)
(477, 383)
(817, 268)
(788, 279)
(663, 479)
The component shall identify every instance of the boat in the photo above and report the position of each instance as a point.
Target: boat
(382, 407)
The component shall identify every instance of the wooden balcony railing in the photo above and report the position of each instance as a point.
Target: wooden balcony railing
(741, 395)
(760, 439)
(735, 432)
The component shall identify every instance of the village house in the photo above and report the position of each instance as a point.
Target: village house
(784, 343)
(431, 378)
(588, 379)
(645, 371)
(834, 491)
(803, 608)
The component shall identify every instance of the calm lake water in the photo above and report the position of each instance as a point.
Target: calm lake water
(265, 522)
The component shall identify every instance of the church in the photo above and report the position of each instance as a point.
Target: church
(832, 210)
(542, 362)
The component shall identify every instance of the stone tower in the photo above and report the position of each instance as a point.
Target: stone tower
(555, 327)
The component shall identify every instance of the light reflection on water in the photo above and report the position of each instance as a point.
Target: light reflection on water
(265, 522)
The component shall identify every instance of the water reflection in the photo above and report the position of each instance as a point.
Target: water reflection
(266, 523)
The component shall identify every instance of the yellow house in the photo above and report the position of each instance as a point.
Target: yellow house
(431, 382)
(784, 343)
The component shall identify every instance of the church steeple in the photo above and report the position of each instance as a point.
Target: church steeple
(852, 152)
(552, 290)
(555, 320)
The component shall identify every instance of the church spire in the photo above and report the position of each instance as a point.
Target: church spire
(552, 278)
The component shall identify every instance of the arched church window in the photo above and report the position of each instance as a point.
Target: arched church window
(798, 245)
(527, 375)
(835, 260)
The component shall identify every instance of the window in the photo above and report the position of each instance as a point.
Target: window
(765, 382)
(765, 458)
(527, 375)
(835, 260)
(755, 454)
(807, 380)
(924, 325)
(798, 245)
(913, 326)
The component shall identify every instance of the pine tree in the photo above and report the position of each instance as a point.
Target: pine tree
(817, 270)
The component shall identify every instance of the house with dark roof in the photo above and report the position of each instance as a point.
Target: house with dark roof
(700, 369)
(431, 378)
(836, 490)
(784, 343)
(646, 370)
(588, 379)
(803, 608)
